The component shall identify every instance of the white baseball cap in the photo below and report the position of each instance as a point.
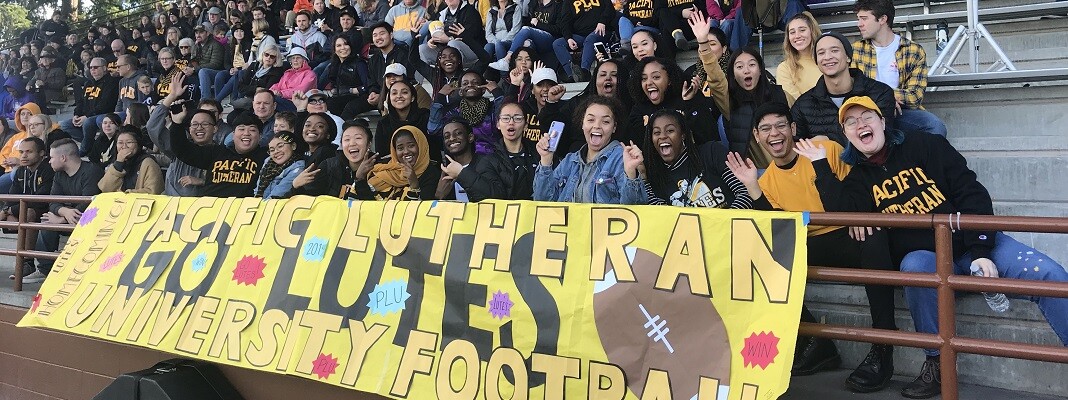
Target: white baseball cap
(541, 74)
(396, 69)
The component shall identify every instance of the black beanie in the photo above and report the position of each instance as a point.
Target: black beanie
(248, 118)
(841, 38)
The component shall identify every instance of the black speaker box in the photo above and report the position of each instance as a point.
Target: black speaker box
(174, 379)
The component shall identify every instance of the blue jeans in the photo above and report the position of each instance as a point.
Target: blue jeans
(206, 77)
(563, 52)
(920, 121)
(626, 30)
(6, 180)
(320, 73)
(1013, 259)
(225, 84)
(541, 41)
(498, 49)
(738, 33)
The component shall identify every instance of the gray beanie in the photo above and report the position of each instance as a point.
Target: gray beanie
(841, 38)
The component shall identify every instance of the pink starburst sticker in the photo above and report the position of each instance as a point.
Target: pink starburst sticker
(760, 349)
(324, 365)
(36, 302)
(111, 262)
(249, 270)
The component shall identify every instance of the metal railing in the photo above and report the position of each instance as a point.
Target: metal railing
(946, 283)
(944, 280)
(23, 228)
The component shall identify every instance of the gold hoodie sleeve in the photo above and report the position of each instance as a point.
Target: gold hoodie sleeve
(717, 80)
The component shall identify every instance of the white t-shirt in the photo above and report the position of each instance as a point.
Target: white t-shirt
(886, 68)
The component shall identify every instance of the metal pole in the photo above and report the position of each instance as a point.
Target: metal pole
(973, 35)
(20, 237)
(947, 322)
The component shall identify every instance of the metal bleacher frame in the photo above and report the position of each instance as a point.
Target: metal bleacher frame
(914, 21)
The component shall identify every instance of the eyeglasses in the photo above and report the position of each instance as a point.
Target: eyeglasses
(517, 118)
(96, 66)
(269, 55)
(275, 149)
(201, 124)
(183, 47)
(116, 51)
(766, 128)
(868, 117)
(317, 100)
(126, 143)
(166, 58)
(121, 65)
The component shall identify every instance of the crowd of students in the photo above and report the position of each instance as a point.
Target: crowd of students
(237, 99)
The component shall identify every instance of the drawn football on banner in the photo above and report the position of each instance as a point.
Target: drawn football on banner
(643, 328)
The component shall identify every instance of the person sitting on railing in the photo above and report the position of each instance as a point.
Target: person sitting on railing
(787, 185)
(896, 61)
(74, 177)
(917, 173)
(32, 177)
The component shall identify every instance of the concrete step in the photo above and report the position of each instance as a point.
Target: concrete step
(847, 305)
(831, 386)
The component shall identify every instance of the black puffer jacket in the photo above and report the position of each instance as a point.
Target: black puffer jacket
(816, 114)
(249, 82)
(740, 130)
(501, 175)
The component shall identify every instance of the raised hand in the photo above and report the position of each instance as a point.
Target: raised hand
(632, 160)
(452, 170)
(742, 168)
(700, 26)
(810, 150)
(365, 166)
(544, 152)
(517, 76)
(306, 176)
(689, 88)
(300, 101)
(556, 93)
(177, 87)
(456, 30)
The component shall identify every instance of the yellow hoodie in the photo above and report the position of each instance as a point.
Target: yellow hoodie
(8, 151)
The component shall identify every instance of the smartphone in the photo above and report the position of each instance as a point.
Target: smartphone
(556, 130)
(599, 47)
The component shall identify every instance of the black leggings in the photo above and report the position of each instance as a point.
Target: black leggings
(837, 249)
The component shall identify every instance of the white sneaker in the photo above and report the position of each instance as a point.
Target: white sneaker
(35, 277)
(500, 65)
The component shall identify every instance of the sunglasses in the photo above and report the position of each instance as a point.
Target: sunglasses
(317, 100)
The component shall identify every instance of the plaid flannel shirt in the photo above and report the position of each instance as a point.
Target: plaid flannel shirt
(911, 67)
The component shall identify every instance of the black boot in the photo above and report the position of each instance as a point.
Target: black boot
(814, 355)
(928, 384)
(875, 371)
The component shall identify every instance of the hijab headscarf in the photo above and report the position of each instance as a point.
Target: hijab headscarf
(388, 177)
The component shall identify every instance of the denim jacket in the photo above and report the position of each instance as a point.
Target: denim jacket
(281, 186)
(610, 184)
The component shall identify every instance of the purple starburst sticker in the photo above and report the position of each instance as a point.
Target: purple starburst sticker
(500, 305)
(88, 216)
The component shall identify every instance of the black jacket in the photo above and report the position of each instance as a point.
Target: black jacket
(249, 82)
(467, 184)
(548, 16)
(97, 97)
(502, 175)
(229, 173)
(335, 179)
(474, 33)
(583, 21)
(922, 174)
(740, 129)
(699, 119)
(38, 182)
(376, 66)
(344, 75)
(816, 114)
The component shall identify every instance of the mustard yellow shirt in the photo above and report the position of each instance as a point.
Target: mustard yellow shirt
(794, 189)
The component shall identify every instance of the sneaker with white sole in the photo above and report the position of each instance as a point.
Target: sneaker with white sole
(27, 269)
(35, 277)
(500, 65)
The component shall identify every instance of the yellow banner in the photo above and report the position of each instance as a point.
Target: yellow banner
(444, 300)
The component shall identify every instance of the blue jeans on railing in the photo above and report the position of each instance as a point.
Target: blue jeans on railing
(627, 29)
(920, 121)
(541, 41)
(1013, 259)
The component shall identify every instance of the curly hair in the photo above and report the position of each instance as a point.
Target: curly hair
(675, 79)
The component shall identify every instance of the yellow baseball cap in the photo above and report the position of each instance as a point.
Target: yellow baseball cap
(863, 101)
